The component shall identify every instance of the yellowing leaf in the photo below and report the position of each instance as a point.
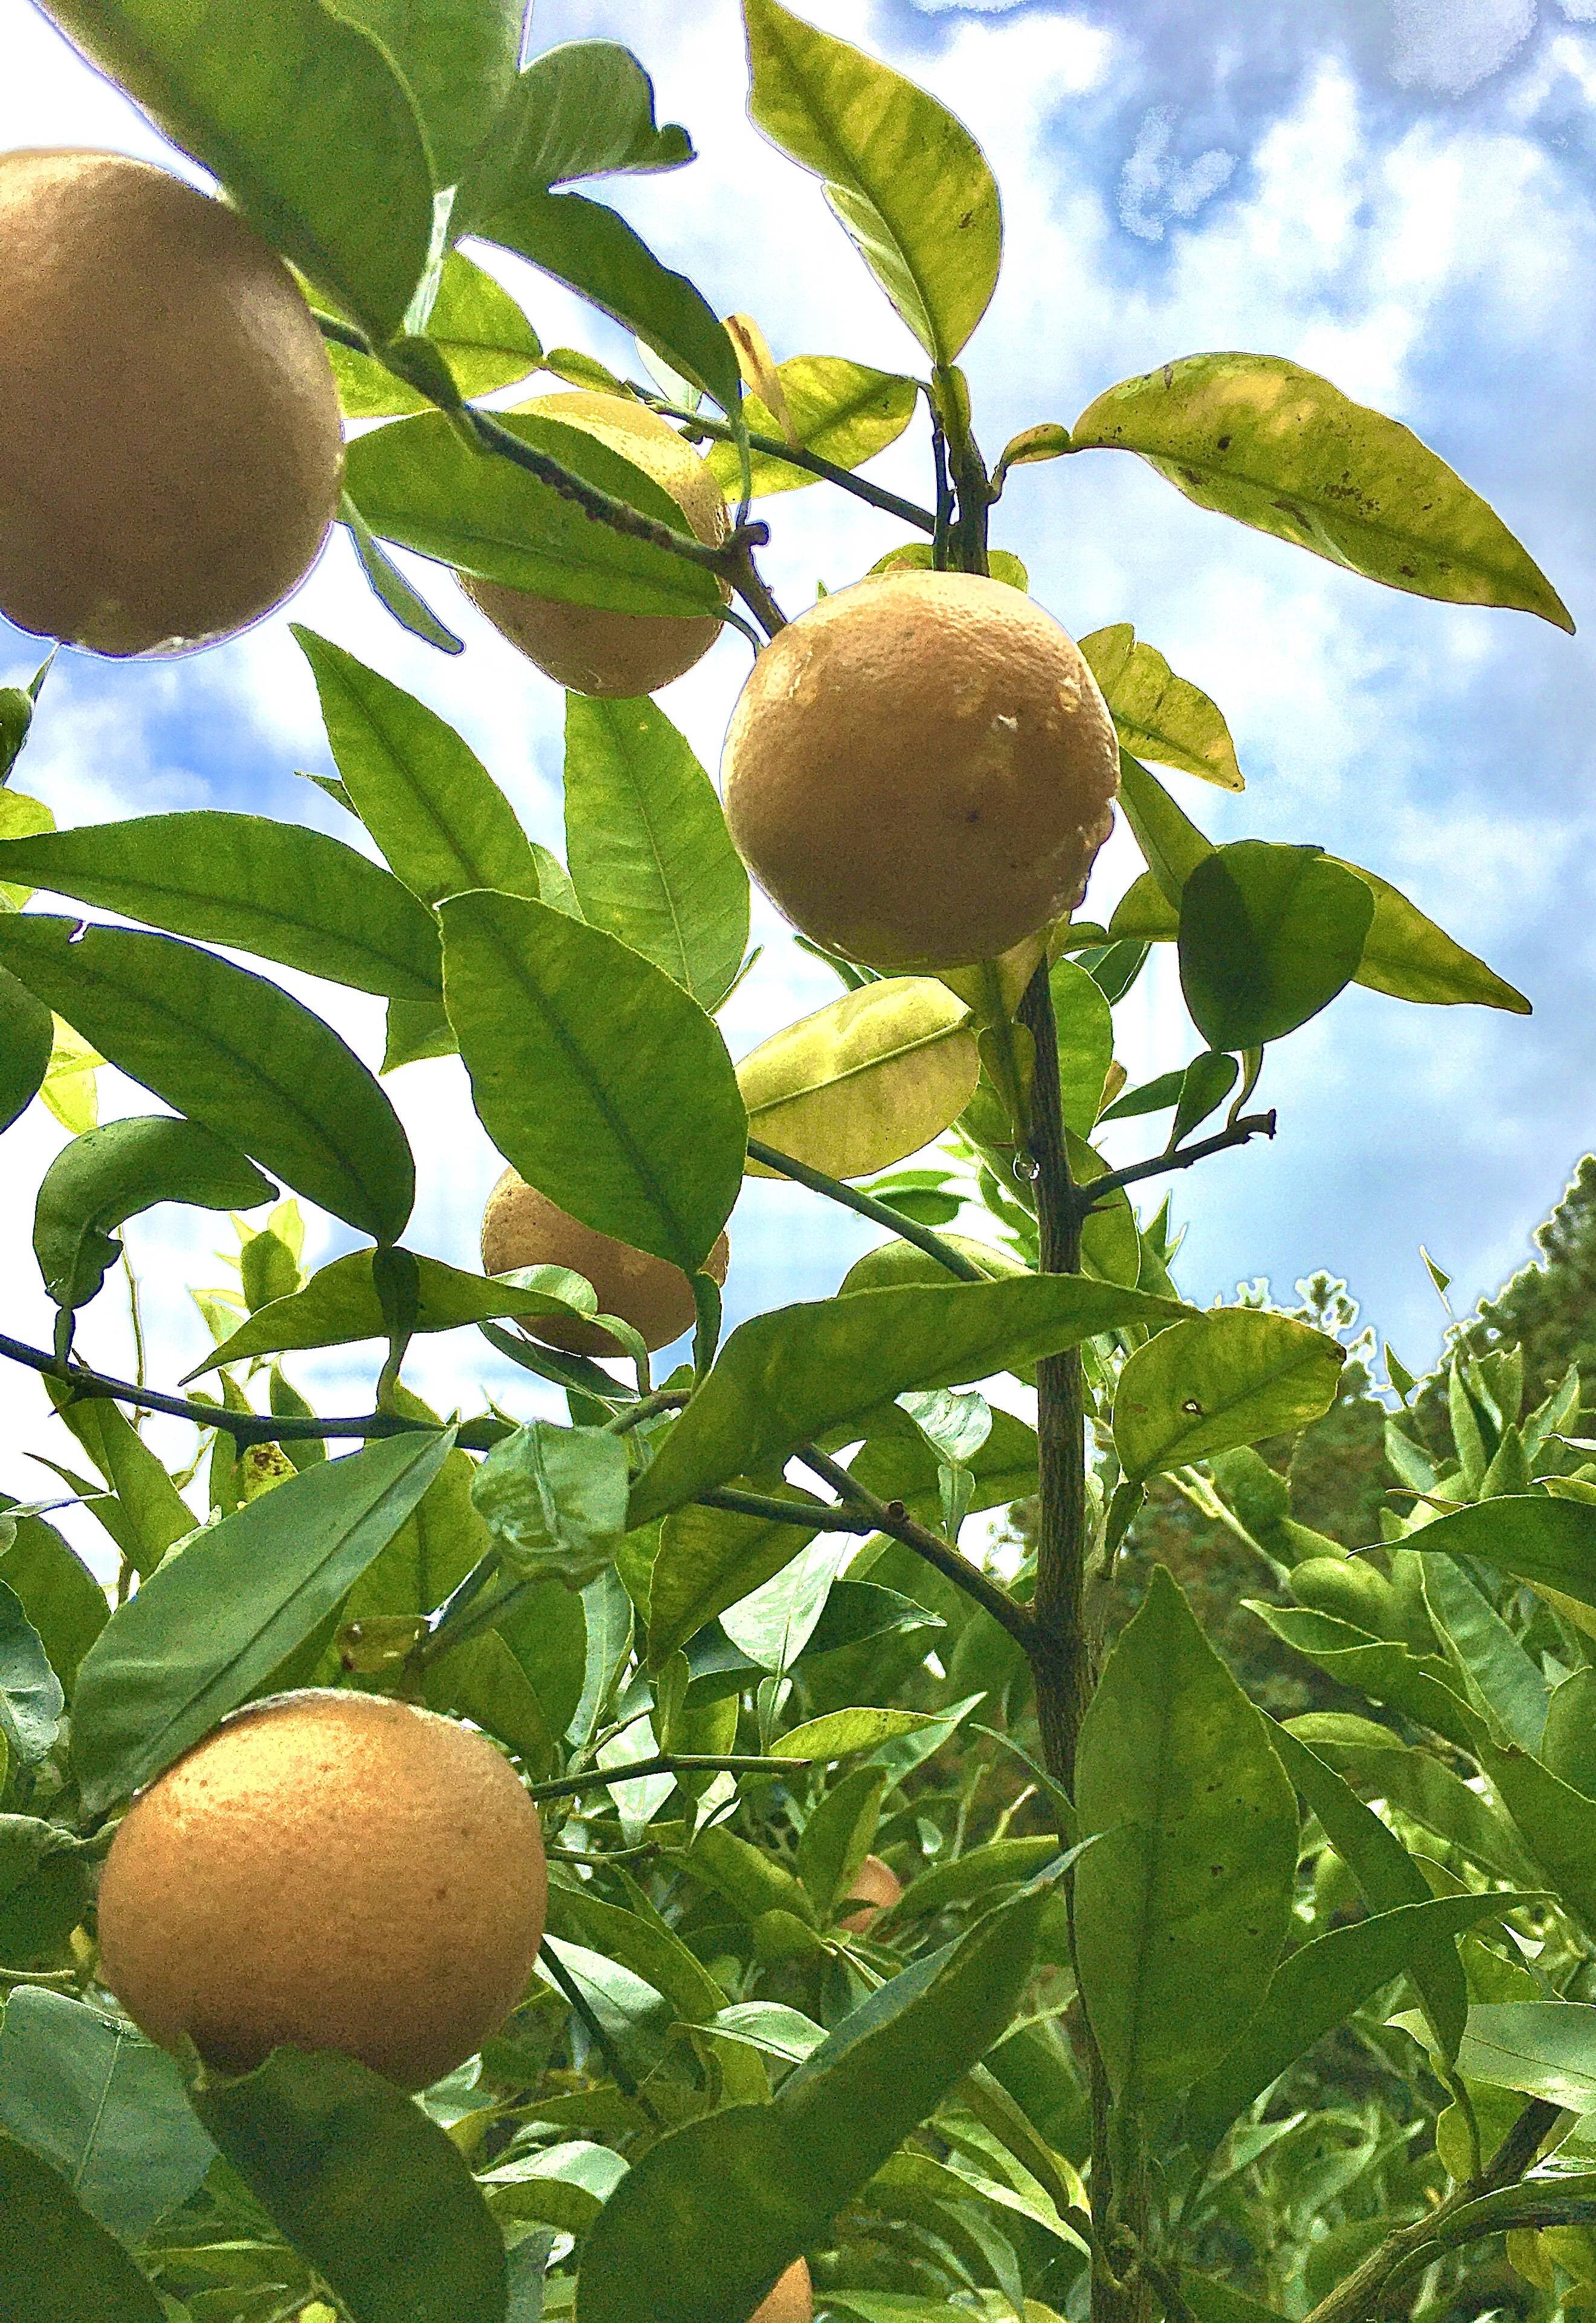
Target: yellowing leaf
(1157, 715)
(844, 412)
(862, 1083)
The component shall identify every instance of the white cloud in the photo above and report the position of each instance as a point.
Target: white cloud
(1450, 46)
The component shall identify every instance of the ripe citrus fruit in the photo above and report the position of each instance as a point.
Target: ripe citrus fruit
(328, 1870)
(522, 1227)
(171, 444)
(586, 647)
(920, 769)
(875, 1888)
(791, 2302)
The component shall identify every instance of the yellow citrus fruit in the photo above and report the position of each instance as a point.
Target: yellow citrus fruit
(920, 769)
(171, 444)
(875, 1888)
(522, 1227)
(586, 647)
(327, 1870)
(791, 2302)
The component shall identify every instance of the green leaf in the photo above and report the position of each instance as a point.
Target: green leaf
(368, 2190)
(31, 1696)
(1086, 1043)
(58, 1594)
(437, 813)
(303, 120)
(55, 2265)
(1317, 1988)
(208, 1627)
(475, 325)
(651, 858)
(871, 1078)
(837, 1838)
(592, 251)
(149, 1512)
(26, 1037)
(1405, 954)
(707, 2218)
(598, 1078)
(389, 585)
(1269, 936)
(1416, 1783)
(1549, 1543)
(788, 1376)
(585, 109)
(1001, 1863)
(1422, 1685)
(843, 1733)
(1542, 2048)
(1386, 1876)
(339, 1305)
(560, 2185)
(842, 411)
(269, 887)
(1499, 1672)
(1557, 1823)
(908, 182)
(110, 1175)
(103, 2106)
(231, 1052)
(1279, 449)
(554, 1499)
(417, 483)
(459, 63)
(709, 1559)
(1157, 715)
(1232, 1376)
(44, 1890)
(641, 1940)
(1198, 1858)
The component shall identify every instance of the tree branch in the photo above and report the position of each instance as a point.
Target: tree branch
(1252, 1124)
(245, 1428)
(882, 1214)
(663, 1762)
(893, 1519)
(874, 495)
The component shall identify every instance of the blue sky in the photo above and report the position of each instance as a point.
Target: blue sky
(1395, 192)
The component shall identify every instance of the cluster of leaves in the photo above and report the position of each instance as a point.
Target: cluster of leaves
(1053, 2069)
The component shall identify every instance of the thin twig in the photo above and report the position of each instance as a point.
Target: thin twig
(1252, 1124)
(665, 1762)
(893, 1519)
(649, 1407)
(578, 2000)
(867, 1207)
(245, 1428)
(874, 495)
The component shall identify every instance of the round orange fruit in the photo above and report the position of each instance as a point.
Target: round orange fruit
(522, 1227)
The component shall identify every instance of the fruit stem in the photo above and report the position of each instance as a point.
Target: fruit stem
(882, 1214)
(967, 541)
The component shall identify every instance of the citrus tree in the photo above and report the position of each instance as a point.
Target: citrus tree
(663, 1859)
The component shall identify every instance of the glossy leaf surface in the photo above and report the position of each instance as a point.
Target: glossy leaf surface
(364, 2187)
(416, 483)
(651, 858)
(1156, 714)
(234, 1053)
(475, 325)
(788, 1376)
(908, 182)
(1269, 936)
(311, 131)
(113, 1174)
(1196, 1860)
(289, 894)
(208, 1629)
(26, 1037)
(1276, 447)
(57, 2265)
(865, 1080)
(844, 412)
(581, 110)
(1229, 1377)
(596, 1076)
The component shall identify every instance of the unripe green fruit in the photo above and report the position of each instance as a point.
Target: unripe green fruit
(1347, 1588)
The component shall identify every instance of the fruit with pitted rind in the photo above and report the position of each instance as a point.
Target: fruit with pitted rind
(327, 1870)
(920, 769)
(170, 444)
(522, 1227)
(874, 1888)
(791, 2302)
(589, 648)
